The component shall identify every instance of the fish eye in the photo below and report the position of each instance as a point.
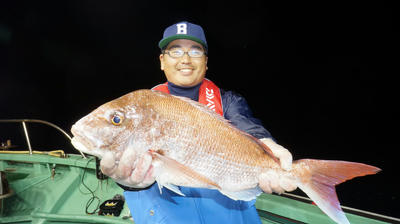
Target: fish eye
(117, 119)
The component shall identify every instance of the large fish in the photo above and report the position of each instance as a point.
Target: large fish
(195, 147)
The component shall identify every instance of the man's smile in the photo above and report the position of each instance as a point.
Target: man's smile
(186, 71)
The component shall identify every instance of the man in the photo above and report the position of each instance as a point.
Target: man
(184, 62)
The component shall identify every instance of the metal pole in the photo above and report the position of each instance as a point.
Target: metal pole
(38, 121)
(27, 137)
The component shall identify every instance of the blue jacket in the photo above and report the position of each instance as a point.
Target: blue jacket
(199, 205)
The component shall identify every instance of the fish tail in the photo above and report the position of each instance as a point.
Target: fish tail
(317, 178)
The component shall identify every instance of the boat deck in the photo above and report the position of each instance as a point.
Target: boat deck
(49, 189)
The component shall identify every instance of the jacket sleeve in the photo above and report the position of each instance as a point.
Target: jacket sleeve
(238, 112)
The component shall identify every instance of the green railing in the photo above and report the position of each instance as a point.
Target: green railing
(48, 189)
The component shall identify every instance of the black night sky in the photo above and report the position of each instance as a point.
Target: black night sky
(320, 75)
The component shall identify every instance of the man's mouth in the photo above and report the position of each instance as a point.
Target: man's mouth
(186, 71)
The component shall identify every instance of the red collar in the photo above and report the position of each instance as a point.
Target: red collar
(209, 95)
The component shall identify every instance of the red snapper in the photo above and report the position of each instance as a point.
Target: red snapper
(193, 146)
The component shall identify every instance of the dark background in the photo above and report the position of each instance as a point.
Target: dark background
(321, 76)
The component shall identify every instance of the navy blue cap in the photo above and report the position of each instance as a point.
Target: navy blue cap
(183, 30)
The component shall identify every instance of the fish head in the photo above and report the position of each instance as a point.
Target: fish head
(107, 128)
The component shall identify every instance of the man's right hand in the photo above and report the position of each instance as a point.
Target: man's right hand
(130, 169)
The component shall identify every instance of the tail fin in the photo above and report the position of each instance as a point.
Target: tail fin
(319, 177)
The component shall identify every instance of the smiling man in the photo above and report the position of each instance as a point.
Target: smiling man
(184, 62)
(184, 59)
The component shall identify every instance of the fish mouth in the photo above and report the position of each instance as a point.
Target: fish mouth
(77, 143)
(81, 145)
(81, 141)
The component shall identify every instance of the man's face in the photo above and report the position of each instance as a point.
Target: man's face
(184, 71)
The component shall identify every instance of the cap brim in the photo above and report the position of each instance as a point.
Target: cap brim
(166, 41)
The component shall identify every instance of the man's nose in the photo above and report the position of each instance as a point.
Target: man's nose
(186, 58)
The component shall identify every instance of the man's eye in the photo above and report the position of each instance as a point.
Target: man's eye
(176, 52)
(196, 52)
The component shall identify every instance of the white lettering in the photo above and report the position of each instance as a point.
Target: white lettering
(209, 91)
(209, 97)
(181, 28)
(209, 101)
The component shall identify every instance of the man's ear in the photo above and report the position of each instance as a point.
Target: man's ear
(162, 61)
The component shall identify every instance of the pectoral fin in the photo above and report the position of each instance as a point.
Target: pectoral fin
(171, 173)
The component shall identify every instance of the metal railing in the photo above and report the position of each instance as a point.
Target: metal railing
(24, 126)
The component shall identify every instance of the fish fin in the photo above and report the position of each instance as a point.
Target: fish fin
(160, 186)
(321, 178)
(171, 187)
(186, 177)
(245, 195)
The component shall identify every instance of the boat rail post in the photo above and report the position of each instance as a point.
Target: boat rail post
(24, 121)
(27, 137)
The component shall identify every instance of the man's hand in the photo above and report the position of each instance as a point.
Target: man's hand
(130, 169)
(284, 156)
(271, 181)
